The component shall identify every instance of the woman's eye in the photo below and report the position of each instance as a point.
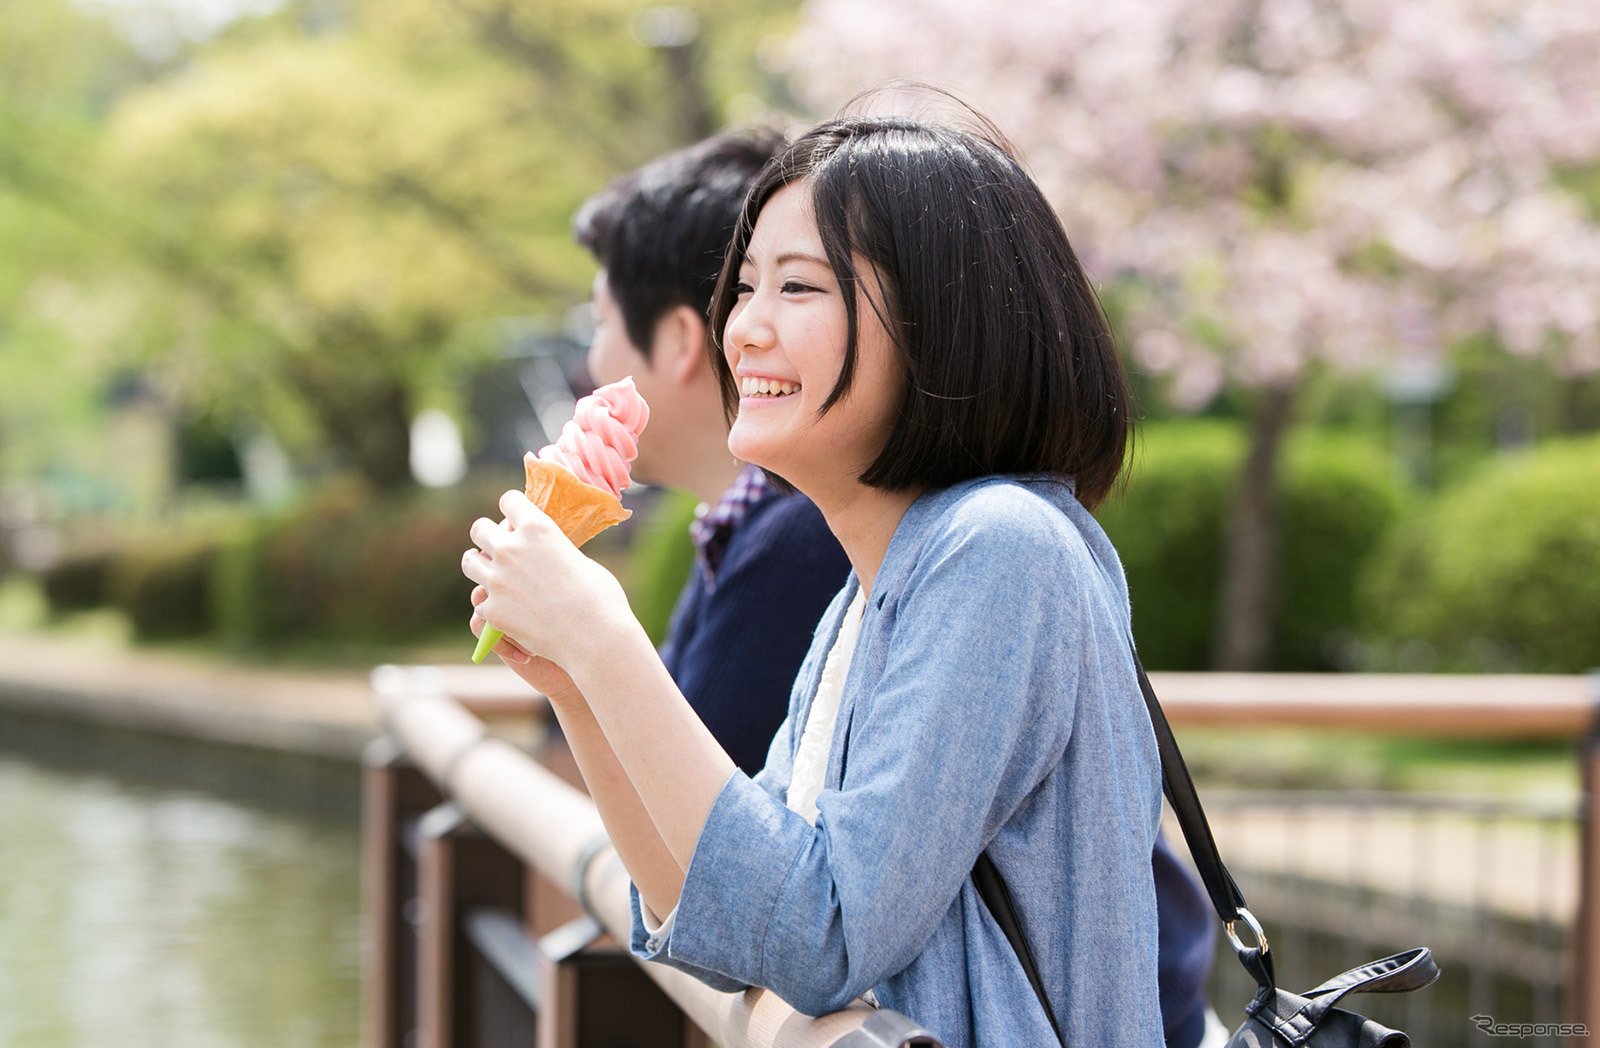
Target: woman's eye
(741, 288)
(794, 287)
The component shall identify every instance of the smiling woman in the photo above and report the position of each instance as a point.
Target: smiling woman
(905, 335)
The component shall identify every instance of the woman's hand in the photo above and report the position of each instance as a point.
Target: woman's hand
(536, 587)
(506, 648)
(541, 674)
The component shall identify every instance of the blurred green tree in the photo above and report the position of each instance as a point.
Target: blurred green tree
(59, 67)
(339, 207)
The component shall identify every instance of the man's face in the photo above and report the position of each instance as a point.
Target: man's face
(614, 356)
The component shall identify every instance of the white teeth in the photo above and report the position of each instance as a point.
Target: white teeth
(761, 387)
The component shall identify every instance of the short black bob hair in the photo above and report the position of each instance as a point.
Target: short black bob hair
(1010, 364)
(661, 230)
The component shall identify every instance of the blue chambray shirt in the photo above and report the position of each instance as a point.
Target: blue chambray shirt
(992, 704)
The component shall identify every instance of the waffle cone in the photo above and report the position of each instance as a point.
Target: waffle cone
(581, 510)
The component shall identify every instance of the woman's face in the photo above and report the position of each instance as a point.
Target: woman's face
(785, 341)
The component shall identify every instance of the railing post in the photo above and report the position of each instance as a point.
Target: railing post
(394, 794)
(1586, 935)
(594, 997)
(461, 1001)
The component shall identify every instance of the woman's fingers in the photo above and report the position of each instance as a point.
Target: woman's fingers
(485, 533)
(476, 566)
(518, 508)
(511, 651)
(475, 562)
(507, 648)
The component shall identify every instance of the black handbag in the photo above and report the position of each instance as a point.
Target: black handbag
(1275, 1017)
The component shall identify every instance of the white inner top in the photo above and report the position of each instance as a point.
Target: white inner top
(811, 761)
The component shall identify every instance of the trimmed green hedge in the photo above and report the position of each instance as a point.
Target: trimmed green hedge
(163, 585)
(350, 567)
(78, 582)
(1167, 527)
(1338, 496)
(1340, 500)
(344, 566)
(1500, 573)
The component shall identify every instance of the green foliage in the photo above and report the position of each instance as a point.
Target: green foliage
(78, 583)
(340, 213)
(162, 586)
(58, 67)
(661, 560)
(350, 566)
(1337, 498)
(60, 62)
(1167, 527)
(1499, 573)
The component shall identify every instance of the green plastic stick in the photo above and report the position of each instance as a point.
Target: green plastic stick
(486, 642)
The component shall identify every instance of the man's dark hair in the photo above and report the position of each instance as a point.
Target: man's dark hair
(1010, 365)
(661, 230)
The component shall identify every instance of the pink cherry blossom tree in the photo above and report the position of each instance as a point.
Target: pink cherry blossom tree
(1275, 183)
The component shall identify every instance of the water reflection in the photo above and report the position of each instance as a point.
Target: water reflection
(139, 913)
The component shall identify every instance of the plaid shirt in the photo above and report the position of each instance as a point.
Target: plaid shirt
(712, 528)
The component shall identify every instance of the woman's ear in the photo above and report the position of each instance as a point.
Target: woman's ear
(680, 347)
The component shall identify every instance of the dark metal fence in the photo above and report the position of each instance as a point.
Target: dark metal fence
(1489, 883)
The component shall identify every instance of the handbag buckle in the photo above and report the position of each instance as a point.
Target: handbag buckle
(1255, 930)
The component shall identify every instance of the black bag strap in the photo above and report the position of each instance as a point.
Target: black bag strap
(1402, 973)
(1296, 1018)
(1226, 898)
(992, 889)
(1176, 783)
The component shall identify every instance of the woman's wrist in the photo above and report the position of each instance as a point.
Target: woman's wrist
(565, 697)
(612, 654)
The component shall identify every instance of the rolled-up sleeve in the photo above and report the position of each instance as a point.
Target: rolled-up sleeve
(749, 844)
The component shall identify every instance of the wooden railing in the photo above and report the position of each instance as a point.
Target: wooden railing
(475, 851)
(466, 838)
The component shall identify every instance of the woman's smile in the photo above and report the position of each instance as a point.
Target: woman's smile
(757, 389)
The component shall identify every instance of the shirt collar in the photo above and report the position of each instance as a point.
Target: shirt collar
(714, 526)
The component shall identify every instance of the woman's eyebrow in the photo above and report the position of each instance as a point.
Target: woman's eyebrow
(791, 256)
(799, 256)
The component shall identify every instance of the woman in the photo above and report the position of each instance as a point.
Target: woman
(907, 338)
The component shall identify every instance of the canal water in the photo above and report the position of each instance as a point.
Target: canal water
(164, 893)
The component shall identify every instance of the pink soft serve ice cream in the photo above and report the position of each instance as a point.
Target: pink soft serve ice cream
(602, 438)
(578, 480)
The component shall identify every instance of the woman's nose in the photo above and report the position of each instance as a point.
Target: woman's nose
(749, 326)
